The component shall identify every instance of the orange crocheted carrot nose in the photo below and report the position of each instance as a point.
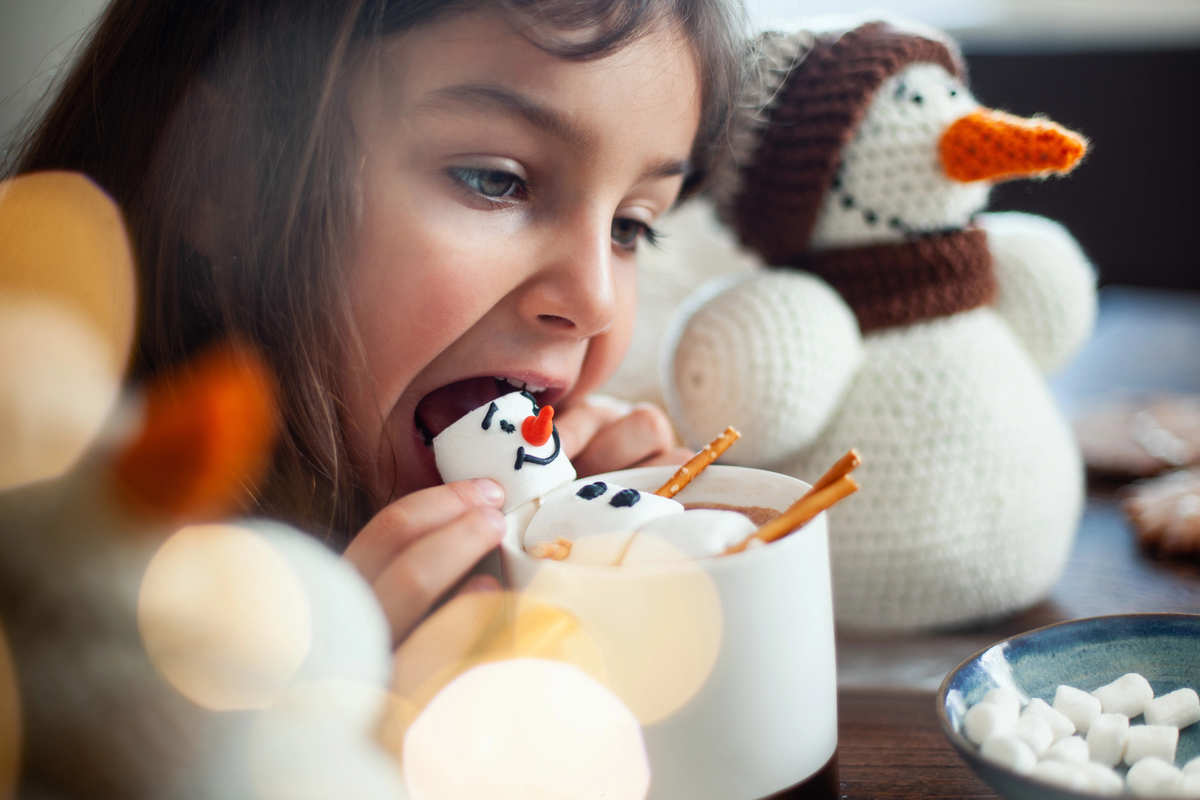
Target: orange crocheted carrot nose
(206, 440)
(537, 430)
(989, 145)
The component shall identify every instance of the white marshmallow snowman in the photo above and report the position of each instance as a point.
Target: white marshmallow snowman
(599, 507)
(510, 440)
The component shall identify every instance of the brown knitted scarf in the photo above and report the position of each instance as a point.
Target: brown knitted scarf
(898, 284)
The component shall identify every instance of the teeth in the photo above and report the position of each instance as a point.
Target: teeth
(528, 387)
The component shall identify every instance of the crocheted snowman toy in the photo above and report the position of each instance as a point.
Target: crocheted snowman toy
(899, 321)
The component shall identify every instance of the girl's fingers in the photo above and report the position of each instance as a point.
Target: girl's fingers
(406, 520)
(579, 424)
(428, 568)
(675, 457)
(640, 436)
(479, 583)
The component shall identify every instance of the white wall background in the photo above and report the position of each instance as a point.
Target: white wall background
(37, 35)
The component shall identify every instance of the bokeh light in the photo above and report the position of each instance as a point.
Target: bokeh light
(57, 387)
(67, 305)
(479, 627)
(10, 723)
(223, 617)
(658, 628)
(525, 729)
(318, 742)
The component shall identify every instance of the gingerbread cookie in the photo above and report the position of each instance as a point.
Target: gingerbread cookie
(1165, 511)
(1139, 438)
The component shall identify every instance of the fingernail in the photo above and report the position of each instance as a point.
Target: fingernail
(496, 518)
(491, 491)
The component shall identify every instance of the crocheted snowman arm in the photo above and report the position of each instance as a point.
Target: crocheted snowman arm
(770, 354)
(1046, 287)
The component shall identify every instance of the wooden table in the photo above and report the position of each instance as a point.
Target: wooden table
(890, 744)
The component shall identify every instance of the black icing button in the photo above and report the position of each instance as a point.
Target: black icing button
(625, 498)
(592, 490)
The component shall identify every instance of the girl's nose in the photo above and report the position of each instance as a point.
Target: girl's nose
(574, 290)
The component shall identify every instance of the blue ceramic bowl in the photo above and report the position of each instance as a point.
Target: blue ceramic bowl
(1084, 653)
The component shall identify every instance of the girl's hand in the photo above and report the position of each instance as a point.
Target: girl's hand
(603, 436)
(414, 550)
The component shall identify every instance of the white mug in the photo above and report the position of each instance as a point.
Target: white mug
(728, 661)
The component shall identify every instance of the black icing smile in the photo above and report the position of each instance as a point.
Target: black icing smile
(523, 458)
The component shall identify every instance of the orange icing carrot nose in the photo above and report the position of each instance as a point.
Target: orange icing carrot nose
(537, 430)
(988, 145)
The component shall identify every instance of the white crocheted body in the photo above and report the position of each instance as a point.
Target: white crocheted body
(971, 482)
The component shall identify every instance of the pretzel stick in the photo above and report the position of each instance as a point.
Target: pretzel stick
(696, 464)
(799, 513)
(844, 466)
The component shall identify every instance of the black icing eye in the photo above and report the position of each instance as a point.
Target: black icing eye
(625, 498)
(593, 490)
(507, 426)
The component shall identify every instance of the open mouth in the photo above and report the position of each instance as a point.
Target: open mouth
(442, 407)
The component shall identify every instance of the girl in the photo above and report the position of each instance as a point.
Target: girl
(406, 205)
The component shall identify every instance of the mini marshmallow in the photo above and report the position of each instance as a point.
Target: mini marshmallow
(1072, 749)
(1106, 739)
(1189, 787)
(1062, 774)
(700, 532)
(595, 507)
(1179, 708)
(1153, 777)
(1144, 741)
(1192, 767)
(1060, 726)
(1008, 751)
(984, 720)
(1078, 706)
(1126, 695)
(1102, 780)
(1034, 732)
(489, 442)
(1005, 698)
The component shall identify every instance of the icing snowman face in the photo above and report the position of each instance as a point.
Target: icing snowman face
(510, 440)
(890, 183)
(600, 507)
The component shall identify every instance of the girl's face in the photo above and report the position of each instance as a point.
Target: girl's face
(504, 192)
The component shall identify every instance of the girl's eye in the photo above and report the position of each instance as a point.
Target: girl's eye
(626, 232)
(491, 183)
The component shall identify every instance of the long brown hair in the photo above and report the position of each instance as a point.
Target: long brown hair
(226, 121)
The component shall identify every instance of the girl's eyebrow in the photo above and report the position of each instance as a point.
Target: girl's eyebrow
(495, 96)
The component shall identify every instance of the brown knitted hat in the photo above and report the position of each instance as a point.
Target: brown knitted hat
(811, 117)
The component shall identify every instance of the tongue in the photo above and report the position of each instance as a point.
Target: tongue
(443, 407)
